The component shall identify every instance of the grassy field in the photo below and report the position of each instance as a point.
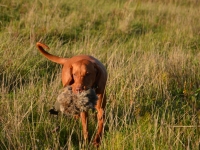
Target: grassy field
(151, 49)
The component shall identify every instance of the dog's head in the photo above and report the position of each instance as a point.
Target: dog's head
(81, 75)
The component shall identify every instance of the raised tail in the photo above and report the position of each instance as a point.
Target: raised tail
(51, 57)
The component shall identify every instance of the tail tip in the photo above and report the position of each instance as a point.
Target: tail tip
(39, 44)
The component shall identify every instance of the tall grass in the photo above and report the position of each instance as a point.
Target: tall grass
(150, 50)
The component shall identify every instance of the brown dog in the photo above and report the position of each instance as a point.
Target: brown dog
(83, 72)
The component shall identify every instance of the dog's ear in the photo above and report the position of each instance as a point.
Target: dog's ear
(98, 75)
(98, 72)
(67, 78)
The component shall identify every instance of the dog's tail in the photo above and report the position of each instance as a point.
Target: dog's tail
(51, 57)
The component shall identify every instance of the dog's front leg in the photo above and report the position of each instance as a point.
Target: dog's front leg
(84, 120)
(100, 117)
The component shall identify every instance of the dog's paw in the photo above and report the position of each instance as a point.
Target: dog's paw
(96, 141)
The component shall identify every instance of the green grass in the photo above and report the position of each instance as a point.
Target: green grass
(151, 51)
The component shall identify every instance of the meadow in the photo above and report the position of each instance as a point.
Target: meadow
(151, 49)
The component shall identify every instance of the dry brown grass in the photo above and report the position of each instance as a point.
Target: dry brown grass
(150, 49)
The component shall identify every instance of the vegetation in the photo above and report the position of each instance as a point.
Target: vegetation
(151, 49)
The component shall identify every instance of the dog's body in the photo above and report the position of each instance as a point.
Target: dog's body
(83, 72)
